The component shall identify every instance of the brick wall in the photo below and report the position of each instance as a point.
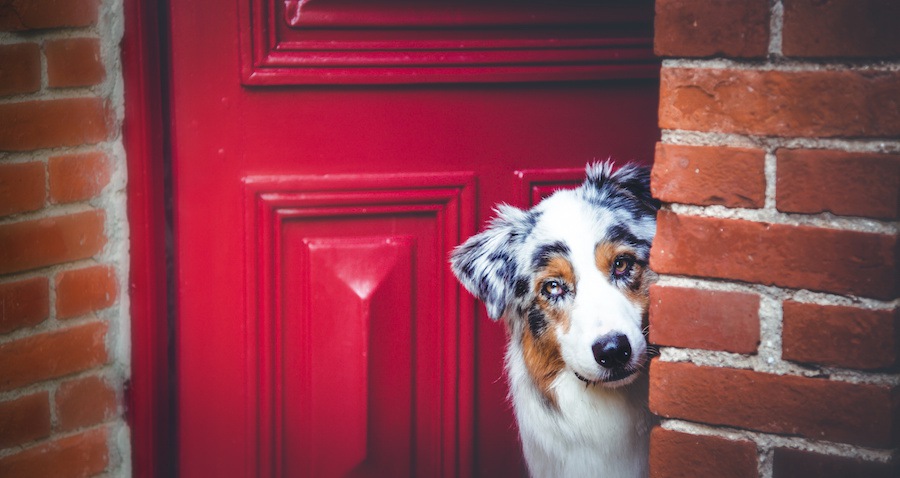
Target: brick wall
(779, 167)
(63, 240)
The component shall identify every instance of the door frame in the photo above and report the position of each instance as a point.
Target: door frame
(149, 391)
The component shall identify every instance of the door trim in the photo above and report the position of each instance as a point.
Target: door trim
(148, 391)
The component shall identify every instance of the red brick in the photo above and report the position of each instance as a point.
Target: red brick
(22, 187)
(24, 303)
(54, 240)
(85, 402)
(848, 184)
(790, 463)
(680, 455)
(20, 68)
(797, 257)
(701, 28)
(83, 291)
(704, 319)
(708, 175)
(74, 62)
(781, 103)
(16, 15)
(841, 28)
(841, 336)
(52, 355)
(815, 408)
(51, 123)
(78, 177)
(24, 419)
(77, 456)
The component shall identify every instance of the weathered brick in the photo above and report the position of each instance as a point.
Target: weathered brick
(709, 175)
(20, 68)
(789, 463)
(17, 15)
(24, 303)
(781, 103)
(841, 28)
(680, 455)
(74, 62)
(51, 123)
(704, 319)
(82, 455)
(85, 402)
(24, 419)
(53, 240)
(858, 414)
(52, 355)
(22, 187)
(841, 336)
(798, 257)
(82, 291)
(702, 28)
(849, 184)
(78, 177)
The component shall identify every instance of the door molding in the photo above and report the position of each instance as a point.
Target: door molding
(298, 42)
(148, 391)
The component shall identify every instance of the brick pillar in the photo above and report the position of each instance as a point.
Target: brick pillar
(63, 240)
(779, 169)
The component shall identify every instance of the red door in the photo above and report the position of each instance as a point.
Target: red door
(326, 156)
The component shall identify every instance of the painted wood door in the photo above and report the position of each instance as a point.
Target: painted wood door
(326, 156)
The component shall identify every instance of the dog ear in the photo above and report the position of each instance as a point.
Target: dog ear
(630, 182)
(486, 263)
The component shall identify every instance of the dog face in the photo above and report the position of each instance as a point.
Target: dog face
(570, 277)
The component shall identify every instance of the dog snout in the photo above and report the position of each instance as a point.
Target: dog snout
(612, 350)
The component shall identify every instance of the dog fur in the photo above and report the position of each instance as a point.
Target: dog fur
(570, 277)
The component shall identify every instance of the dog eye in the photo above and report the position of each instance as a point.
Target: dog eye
(554, 289)
(623, 265)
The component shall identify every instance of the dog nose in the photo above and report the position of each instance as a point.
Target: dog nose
(612, 350)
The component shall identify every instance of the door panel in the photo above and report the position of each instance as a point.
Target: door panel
(353, 349)
(318, 192)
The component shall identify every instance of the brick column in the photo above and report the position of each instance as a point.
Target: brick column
(776, 310)
(63, 240)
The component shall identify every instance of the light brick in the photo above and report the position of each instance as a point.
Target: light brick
(54, 240)
(849, 184)
(781, 103)
(840, 336)
(85, 402)
(39, 124)
(74, 62)
(78, 177)
(798, 257)
(858, 414)
(82, 455)
(680, 455)
(709, 175)
(51, 355)
(704, 319)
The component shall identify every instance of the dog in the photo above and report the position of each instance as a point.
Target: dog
(570, 277)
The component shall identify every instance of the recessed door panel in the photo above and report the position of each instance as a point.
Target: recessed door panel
(352, 344)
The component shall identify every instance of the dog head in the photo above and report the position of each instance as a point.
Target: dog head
(570, 276)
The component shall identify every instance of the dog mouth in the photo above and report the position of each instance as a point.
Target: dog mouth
(614, 378)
